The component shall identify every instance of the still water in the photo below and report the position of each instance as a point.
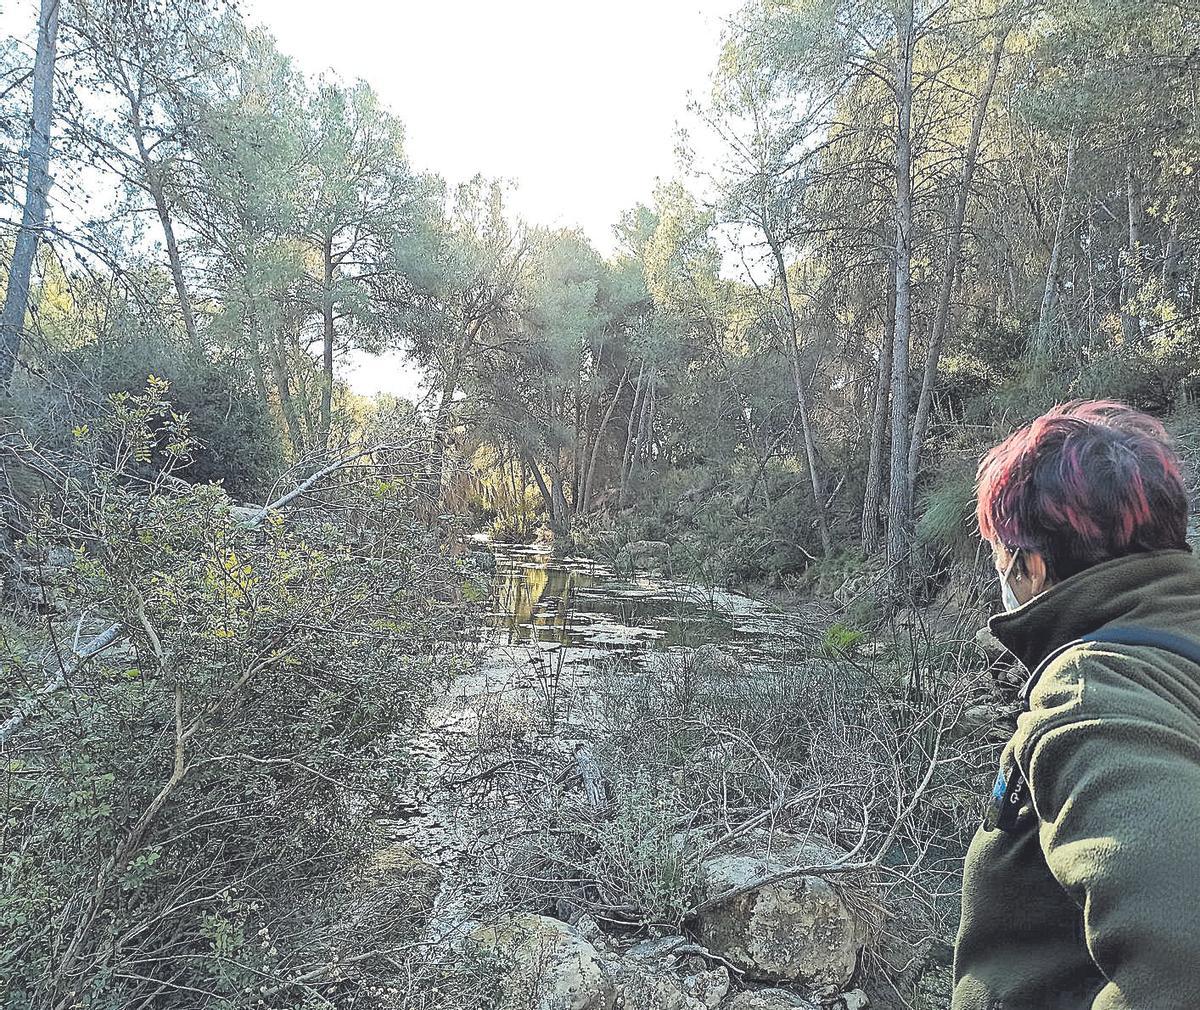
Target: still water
(550, 626)
(542, 602)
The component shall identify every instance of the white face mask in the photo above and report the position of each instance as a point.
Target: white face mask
(1010, 598)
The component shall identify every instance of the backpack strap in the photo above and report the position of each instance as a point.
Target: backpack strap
(1167, 641)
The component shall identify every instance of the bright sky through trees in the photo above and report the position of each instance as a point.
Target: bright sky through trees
(577, 104)
(574, 102)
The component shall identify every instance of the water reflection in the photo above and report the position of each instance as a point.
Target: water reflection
(544, 601)
(533, 596)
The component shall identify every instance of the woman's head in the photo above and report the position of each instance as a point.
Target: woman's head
(1085, 482)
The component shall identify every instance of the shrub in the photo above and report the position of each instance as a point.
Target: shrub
(185, 815)
(840, 639)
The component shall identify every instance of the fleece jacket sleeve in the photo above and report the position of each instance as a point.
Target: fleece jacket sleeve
(1118, 795)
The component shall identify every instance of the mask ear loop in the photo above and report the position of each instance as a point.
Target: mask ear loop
(1012, 564)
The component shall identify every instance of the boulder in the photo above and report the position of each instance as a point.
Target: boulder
(981, 715)
(770, 999)
(708, 988)
(713, 661)
(587, 927)
(669, 973)
(665, 989)
(657, 948)
(990, 645)
(647, 555)
(855, 999)
(550, 965)
(796, 930)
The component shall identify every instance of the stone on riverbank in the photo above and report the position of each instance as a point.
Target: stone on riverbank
(551, 966)
(796, 930)
(645, 986)
(770, 999)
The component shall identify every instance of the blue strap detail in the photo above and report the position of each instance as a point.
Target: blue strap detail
(1117, 635)
(1168, 641)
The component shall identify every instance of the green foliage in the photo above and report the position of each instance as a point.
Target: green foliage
(237, 442)
(840, 639)
(211, 796)
(642, 858)
(947, 515)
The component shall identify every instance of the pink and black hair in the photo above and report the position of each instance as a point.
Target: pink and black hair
(1087, 481)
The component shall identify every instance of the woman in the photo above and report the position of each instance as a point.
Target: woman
(1082, 889)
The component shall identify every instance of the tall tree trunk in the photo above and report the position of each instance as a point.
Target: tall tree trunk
(560, 521)
(276, 353)
(1131, 275)
(591, 465)
(326, 411)
(953, 261)
(872, 520)
(1170, 265)
(154, 183)
(441, 422)
(584, 431)
(810, 451)
(899, 541)
(304, 394)
(648, 447)
(540, 481)
(256, 361)
(639, 442)
(37, 191)
(1043, 339)
(627, 455)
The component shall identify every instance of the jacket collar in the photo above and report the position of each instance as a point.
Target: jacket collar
(1115, 590)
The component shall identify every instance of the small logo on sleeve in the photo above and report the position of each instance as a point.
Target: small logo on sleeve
(1008, 797)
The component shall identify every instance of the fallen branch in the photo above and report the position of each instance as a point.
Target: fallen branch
(59, 679)
(249, 517)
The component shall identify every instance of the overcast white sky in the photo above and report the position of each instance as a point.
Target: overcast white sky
(575, 103)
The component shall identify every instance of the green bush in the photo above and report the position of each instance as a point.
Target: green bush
(203, 795)
(237, 441)
(840, 639)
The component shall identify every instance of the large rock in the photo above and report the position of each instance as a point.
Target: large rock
(665, 989)
(770, 999)
(797, 930)
(990, 646)
(550, 965)
(644, 555)
(713, 661)
(667, 974)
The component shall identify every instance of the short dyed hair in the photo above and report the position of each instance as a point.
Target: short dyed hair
(1088, 481)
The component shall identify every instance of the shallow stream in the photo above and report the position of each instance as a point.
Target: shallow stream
(549, 624)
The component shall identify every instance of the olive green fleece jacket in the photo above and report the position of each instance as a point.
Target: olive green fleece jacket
(1092, 900)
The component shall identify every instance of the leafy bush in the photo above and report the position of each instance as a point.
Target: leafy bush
(236, 440)
(640, 860)
(185, 814)
(840, 639)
